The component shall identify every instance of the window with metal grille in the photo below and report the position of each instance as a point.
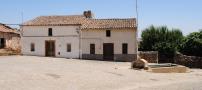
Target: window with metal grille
(125, 48)
(92, 48)
(69, 48)
(32, 47)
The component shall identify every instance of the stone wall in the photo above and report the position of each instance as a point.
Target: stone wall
(12, 41)
(92, 56)
(125, 57)
(189, 61)
(117, 57)
(150, 56)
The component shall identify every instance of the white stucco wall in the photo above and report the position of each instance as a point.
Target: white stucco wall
(62, 35)
(43, 30)
(118, 37)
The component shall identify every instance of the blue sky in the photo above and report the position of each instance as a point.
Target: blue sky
(183, 14)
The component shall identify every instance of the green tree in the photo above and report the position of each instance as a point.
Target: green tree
(192, 44)
(161, 39)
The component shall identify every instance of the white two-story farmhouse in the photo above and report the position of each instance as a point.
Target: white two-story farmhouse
(80, 36)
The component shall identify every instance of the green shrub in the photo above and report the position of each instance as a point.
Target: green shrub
(192, 44)
(161, 39)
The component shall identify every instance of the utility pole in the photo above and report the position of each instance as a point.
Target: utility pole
(21, 26)
(137, 26)
(137, 13)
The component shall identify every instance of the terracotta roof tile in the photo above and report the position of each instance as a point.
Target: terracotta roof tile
(110, 23)
(86, 23)
(7, 29)
(56, 20)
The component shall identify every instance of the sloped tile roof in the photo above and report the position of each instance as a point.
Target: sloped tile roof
(56, 20)
(7, 29)
(110, 23)
(86, 23)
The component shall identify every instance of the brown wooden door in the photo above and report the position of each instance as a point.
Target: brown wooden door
(108, 51)
(50, 48)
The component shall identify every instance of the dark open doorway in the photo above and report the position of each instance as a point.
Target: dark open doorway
(2, 43)
(108, 51)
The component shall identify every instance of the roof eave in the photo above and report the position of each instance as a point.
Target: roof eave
(52, 25)
(109, 28)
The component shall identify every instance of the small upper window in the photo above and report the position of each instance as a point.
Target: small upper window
(108, 33)
(50, 32)
(69, 48)
(32, 47)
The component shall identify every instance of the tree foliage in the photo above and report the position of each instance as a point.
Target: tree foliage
(161, 39)
(192, 44)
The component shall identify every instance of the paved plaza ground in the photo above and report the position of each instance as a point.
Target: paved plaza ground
(43, 73)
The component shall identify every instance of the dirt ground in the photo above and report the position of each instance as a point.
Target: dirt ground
(43, 73)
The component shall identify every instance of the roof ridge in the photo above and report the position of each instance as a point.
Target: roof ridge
(6, 26)
(59, 15)
(114, 19)
(7, 29)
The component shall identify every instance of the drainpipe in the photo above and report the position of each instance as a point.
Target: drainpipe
(79, 32)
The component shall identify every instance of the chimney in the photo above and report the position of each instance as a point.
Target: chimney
(88, 14)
